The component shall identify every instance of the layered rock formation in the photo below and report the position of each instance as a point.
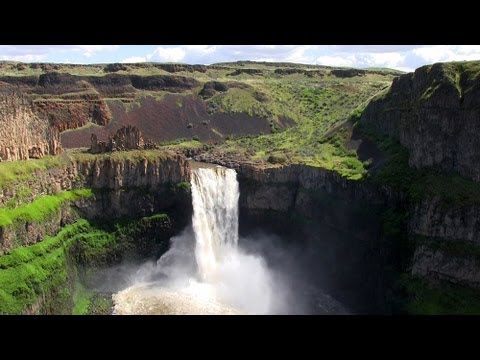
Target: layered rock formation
(435, 113)
(23, 133)
(124, 187)
(333, 226)
(367, 227)
(126, 138)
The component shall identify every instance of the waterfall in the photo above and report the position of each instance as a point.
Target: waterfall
(215, 196)
(231, 280)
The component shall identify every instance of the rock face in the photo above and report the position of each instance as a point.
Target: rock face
(333, 225)
(131, 188)
(343, 222)
(435, 113)
(75, 112)
(23, 134)
(433, 219)
(437, 265)
(126, 138)
(453, 240)
(347, 73)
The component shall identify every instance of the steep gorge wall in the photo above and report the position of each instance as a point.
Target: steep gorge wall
(24, 134)
(122, 187)
(359, 235)
(334, 226)
(435, 113)
(448, 242)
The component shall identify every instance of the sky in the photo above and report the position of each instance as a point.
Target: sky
(400, 57)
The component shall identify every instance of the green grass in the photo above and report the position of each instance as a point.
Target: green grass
(181, 144)
(317, 106)
(448, 299)
(81, 300)
(132, 155)
(28, 272)
(41, 208)
(11, 171)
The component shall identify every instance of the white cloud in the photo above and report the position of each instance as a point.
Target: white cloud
(401, 57)
(298, 54)
(90, 50)
(134, 59)
(440, 53)
(175, 54)
(346, 60)
(200, 49)
(386, 59)
(24, 58)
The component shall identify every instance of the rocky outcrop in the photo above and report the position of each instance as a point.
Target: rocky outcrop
(23, 134)
(74, 112)
(22, 233)
(334, 227)
(279, 188)
(210, 88)
(126, 138)
(101, 173)
(432, 218)
(309, 73)
(448, 242)
(347, 73)
(435, 113)
(436, 265)
(123, 187)
(248, 71)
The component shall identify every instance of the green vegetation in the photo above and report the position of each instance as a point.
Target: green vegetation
(318, 106)
(452, 190)
(11, 171)
(42, 207)
(29, 272)
(181, 144)
(132, 155)
(81, 300)
(156, 217)
(183, 185)
(448, 299)
(48, 268)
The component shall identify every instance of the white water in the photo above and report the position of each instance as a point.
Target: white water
(226, 280)
(215, 218)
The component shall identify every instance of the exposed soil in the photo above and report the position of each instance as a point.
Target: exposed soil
(170, 118)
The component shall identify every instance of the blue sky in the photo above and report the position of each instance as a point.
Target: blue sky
(401, 57)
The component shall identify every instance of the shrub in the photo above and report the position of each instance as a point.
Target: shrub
(277, 158)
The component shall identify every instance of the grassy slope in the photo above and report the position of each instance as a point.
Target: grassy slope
(29, 272)
(41, 207)
(311, 96)
(317, 104)
(45, 268)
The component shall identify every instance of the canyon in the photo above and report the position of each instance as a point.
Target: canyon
(373, 243)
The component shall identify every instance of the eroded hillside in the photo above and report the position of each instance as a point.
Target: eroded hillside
(207, 103)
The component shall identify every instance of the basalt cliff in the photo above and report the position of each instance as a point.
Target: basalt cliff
(382, 206)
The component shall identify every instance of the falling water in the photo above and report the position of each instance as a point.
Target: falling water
(215, 217)
(204, 272)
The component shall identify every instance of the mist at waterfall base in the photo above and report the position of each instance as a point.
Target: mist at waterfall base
(205, 270)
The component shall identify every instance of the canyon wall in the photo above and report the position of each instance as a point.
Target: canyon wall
(361, 236)
(435, 113)
(23, 133)
(121, 188)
